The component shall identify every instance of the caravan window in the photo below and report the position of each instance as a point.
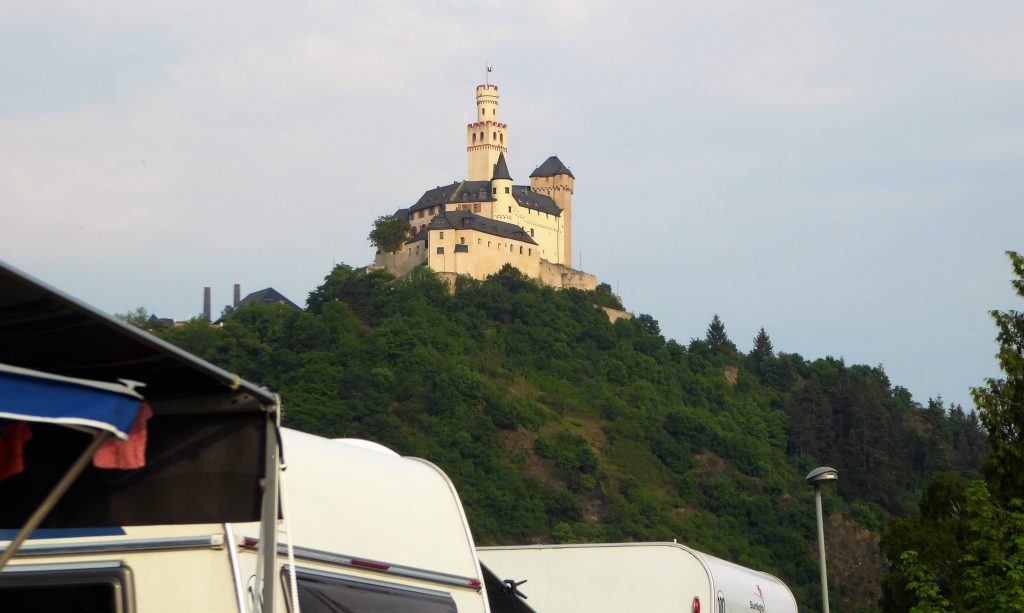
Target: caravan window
(87, 587)
(323, 592)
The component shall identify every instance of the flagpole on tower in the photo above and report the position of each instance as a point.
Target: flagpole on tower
(487, 76)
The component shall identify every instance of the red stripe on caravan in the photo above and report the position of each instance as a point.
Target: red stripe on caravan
(370, 564)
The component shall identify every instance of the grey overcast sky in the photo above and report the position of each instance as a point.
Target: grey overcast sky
(845, 174)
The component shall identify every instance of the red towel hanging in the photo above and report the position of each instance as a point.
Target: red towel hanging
(127, 454)
(13, 437)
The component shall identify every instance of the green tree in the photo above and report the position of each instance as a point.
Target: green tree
(762, 347)
(1001, 401)
(966, 551)
(716, 337)
(140, 318)
(389, 232)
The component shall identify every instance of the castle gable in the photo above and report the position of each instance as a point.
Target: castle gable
(466, 191)
(527, 198)
(464, 220)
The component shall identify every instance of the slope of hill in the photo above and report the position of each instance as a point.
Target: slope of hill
(556, 425)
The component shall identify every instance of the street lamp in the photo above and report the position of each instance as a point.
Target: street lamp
(822, 474)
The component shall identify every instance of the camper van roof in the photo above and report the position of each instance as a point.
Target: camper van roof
(347, 499)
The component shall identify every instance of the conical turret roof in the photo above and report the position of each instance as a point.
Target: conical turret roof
(551, 167)
(501, 169)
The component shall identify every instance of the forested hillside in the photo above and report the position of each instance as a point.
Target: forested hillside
(558, 426)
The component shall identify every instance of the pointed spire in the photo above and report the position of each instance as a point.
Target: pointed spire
(501, 169)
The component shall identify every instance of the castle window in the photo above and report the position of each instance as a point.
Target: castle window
(494, 136)
(509, 209)
(531, 232)
(476, 208)
(440, 251)
(481, 137)
(474, 138)
(462, 240)
(508, 190)
(510, 247)
(494, 190)
(520, 250)
(442, 236)
(488, 243)
(529, 251)
(501, 137)
(478, 241)
(421, 213)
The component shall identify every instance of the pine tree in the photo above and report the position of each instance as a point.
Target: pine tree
(1001, 401)
(763, 349)
(716, 337)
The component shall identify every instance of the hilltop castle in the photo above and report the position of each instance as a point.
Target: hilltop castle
(476, 226)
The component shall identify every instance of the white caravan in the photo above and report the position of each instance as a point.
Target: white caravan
(648, 577)
(368, 530)
(225, 504)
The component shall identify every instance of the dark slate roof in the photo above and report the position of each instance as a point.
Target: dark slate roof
(268, 296)
(464, 220)
(466, 191)
(403, 213)
(501, 169)
(530, 199)
(551, 167)
(419, 236)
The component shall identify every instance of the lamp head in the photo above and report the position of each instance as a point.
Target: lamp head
(822, 474)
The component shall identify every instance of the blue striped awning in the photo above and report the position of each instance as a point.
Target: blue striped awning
(34, 396)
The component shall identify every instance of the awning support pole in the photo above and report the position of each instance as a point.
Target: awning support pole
(54, 496)
(268, 527)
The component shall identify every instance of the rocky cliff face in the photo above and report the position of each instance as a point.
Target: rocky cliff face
(855, 563)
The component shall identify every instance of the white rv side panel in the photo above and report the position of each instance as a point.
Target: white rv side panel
(741, 590)
(604, 578)
(648, 577)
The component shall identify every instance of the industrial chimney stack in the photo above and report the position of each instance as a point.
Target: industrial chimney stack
(238, 295)
(206, 303)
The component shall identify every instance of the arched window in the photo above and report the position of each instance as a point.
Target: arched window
(474, 138)
(520, 250)
(494, 136)
(501, 138)
(481, 137)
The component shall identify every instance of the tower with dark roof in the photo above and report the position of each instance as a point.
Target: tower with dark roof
(555, 180)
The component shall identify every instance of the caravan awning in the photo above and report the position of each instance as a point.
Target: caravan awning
(206, 448)
(30, 395)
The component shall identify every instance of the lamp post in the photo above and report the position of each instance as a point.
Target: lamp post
(822, 474)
